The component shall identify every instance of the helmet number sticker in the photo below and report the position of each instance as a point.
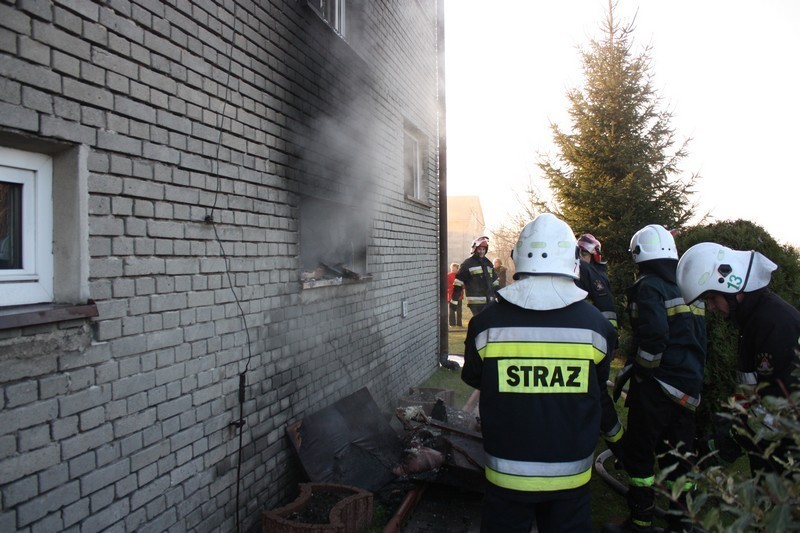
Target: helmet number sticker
(543, 375)
(735, 282)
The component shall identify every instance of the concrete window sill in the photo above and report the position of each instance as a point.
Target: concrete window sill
(334, 282)
(32, 315)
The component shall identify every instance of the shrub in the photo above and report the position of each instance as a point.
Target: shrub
(767, 501)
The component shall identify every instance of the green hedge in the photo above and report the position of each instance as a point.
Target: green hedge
(719, 381)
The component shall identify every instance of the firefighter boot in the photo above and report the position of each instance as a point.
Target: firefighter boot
(641, 502)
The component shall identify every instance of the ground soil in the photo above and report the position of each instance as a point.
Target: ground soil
(444, 509)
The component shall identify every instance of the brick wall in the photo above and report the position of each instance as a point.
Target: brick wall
(235, 112)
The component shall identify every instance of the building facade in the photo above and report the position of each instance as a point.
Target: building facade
(215, 217)
(464, 225)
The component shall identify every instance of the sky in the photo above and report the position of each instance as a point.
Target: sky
(727, 70)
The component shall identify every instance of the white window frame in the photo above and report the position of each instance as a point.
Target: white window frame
(33, 283)
(412, 149)
(333, 12)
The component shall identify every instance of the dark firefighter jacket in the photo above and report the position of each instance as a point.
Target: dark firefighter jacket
(769, 341)
(669, 337)
(476, 275)
(544, 400)
(594, 280)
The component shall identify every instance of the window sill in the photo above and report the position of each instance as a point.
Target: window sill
(32, 315)
(418, 201)
(334, 282)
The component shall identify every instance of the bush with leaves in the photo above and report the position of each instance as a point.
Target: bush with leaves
(725, 500)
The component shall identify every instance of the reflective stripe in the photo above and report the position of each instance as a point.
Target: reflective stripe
(471, 300)
(615, 433)
(458, 283)
(687, 486)
(476, 271)
(674, 307)
(526, 342)
(679, 396)
(746, 378)
(643, 481)
(647, 359)
(538, 476)
(611, 316)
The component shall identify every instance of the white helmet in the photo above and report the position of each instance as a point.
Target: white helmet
(653, 242)
(547, 246)
(708, 266)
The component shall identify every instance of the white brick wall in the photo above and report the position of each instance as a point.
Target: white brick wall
(189, 109)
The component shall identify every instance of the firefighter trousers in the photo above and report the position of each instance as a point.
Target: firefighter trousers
(561, 512)
(656, 426)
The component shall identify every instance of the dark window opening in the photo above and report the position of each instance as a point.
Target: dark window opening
(333, 240)
(10, 225)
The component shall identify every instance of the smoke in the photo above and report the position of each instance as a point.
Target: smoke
(337, 195)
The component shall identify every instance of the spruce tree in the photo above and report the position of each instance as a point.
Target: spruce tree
(616, 170)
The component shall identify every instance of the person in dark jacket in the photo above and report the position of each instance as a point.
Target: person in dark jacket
(502, 273)
(540, 357)
(594, 277)
(477, 277)
(734, 284)
(666, 374)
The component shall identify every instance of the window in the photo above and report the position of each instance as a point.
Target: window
(26, 227)
(10, 225)
(412, 165)
(44, 244)
(333, 240)
(332, 12)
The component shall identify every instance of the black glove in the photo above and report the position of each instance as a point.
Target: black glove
(623, 376)
(453, 305)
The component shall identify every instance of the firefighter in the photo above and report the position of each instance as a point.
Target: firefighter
(734, 284)
(665, 371)
(594, 277)
(477, 276)
(540, 357)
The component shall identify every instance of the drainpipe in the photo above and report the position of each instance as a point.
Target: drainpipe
(444, 330)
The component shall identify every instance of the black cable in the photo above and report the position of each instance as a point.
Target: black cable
(209, 219)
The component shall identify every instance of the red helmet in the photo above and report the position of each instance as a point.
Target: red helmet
(589, 244)
(480, 241)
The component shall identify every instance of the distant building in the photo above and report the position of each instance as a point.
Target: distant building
(464, 224)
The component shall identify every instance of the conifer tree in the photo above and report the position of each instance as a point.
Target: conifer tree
(616, 170)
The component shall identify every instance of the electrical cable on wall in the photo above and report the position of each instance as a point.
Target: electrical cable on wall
(209, 219)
